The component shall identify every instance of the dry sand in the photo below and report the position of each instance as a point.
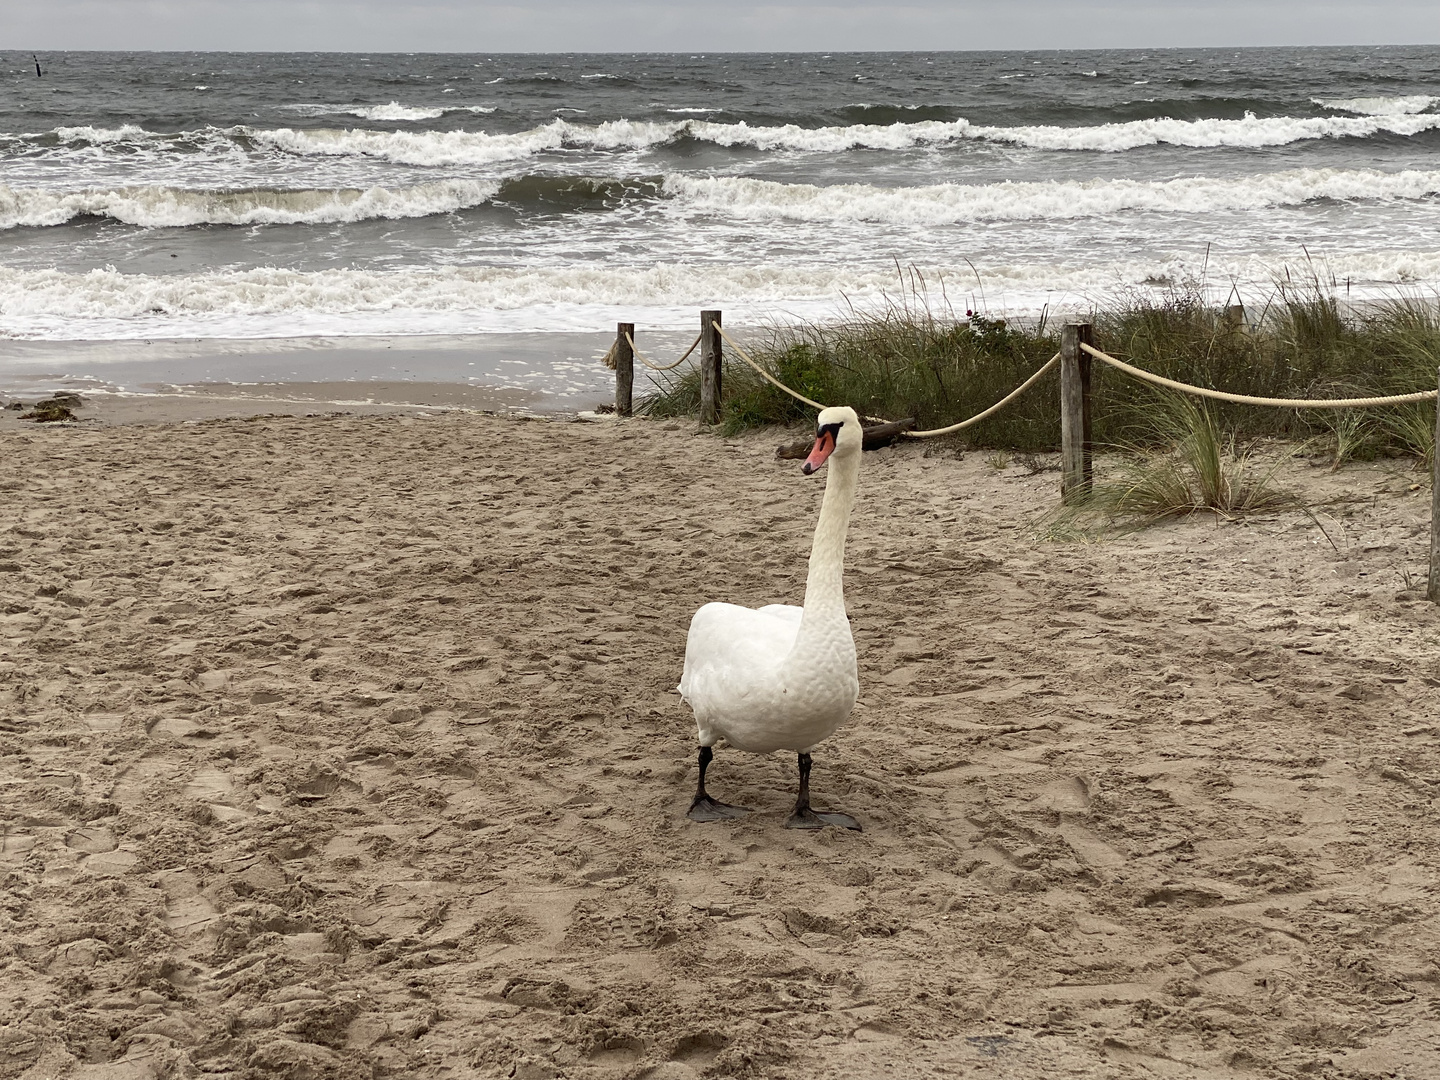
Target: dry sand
(348, 747)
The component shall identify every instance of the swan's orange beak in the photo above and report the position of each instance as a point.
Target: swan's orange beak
(824, 447)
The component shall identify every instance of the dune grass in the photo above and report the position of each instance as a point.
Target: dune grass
(1186, 464)
(915, 358)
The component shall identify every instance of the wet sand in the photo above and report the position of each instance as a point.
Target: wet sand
(535, 372)
(216, 401)
(349, 746)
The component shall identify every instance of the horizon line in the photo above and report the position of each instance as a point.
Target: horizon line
(729, 52)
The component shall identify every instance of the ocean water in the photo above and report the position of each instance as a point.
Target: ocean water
(211, 195)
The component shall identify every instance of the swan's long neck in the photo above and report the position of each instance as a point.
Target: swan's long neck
(825, 586)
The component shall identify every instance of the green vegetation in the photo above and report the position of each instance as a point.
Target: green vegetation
(907, 360)
(1185, 464)
(901, 361)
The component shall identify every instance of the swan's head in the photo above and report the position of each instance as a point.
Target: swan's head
(837, 430)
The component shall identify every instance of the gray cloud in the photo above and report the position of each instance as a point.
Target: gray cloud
(695, 26)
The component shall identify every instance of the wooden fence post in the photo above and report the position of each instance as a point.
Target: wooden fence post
(1433, 592)
(709, 367)
(1075, 444)
(624, 368)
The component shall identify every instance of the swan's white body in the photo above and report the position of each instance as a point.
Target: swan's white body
(782, 677)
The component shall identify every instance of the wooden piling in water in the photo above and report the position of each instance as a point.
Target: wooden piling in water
(1075, 444)
(710, 359)
(624, 368)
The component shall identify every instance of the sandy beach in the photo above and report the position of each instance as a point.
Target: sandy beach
(348, 746)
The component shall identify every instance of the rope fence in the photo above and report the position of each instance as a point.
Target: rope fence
(1084, 346)
(1077, 350)
(1245, 399)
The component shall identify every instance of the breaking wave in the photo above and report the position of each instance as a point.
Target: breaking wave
(169, 207)
(393, 111)
(1026, 201)
(1407, 105)
(732, 197)
(444, 148)
(462, 147)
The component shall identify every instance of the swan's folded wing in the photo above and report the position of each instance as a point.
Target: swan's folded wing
(730, 647)
(788, 612)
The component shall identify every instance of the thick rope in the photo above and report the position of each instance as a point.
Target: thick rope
(668, 367)
(1242, 399)
(1031, 381)
(762, 372)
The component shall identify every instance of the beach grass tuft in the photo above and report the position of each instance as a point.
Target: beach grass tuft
(1187, 463)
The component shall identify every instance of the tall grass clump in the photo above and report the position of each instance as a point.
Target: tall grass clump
(1302, 343)
(909, 359)
(1186, 463)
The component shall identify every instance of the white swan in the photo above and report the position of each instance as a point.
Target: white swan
(782, 677)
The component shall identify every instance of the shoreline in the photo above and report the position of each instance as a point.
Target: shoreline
(229, 402)
(180, 379)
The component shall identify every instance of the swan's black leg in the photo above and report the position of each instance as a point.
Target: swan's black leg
(704, 808)
(806, 818)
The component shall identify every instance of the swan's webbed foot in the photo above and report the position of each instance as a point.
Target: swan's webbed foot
(818, 819)
(806, 818)
(704, 808)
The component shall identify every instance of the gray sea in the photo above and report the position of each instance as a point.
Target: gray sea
(213, 196)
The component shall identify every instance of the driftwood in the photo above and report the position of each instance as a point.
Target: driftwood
(876, 436)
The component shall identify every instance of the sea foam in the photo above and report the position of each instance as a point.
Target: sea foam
(97, 136)
(109, 305)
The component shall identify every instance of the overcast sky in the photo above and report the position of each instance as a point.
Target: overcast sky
(693, 26)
